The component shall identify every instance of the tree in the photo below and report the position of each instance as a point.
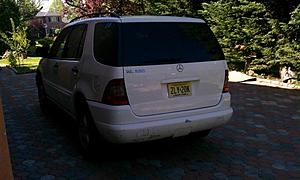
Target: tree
(28, 8)
(288, 48)
(124, 7)
(17, 42)
(83, 7)
(20, 11)
(294, 25)
(165, 7)
(8, 9)
(280, 9)
(242, 28)
(57, 6)
(130, 7)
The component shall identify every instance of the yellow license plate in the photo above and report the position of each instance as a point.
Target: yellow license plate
(179, 89)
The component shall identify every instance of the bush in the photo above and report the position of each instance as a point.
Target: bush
(11, 56)
(235, 65)
(31, 51)
(45, 42)
(17, 42)
(6, 54)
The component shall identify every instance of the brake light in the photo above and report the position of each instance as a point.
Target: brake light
(115, 93)
(226, 82)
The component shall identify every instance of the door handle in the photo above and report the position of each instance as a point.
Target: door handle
(75, 71)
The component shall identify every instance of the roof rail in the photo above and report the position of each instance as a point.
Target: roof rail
(182, 15)
(97, 14)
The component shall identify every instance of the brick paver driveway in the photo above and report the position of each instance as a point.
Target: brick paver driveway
(261, 141)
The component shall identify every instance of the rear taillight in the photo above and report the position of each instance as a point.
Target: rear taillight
(226, 82)
(115, 93)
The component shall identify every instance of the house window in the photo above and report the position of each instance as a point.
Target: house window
(53, 19)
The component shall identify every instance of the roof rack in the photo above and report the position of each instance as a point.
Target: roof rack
(97, 14)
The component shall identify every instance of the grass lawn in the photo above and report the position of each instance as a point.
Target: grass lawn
(29, 65)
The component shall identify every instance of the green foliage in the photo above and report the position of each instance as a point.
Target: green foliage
(12, 59)
(242, 28)
(280, 9)
(27, 67)
(130, 7)
(28, 8)
(56, 6)
(288, 47)
(8, 9)
(294, 24)
(17, 42)
(165, 7)
(18, 10)
(248, 33)
(45, 42)
(31, 50)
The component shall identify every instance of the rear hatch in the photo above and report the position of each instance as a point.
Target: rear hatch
(171, 67)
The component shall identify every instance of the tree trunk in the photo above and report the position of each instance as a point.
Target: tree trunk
(143, 7)
(120, 7)
(247, 65)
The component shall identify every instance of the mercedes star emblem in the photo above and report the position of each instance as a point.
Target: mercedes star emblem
(179, 67)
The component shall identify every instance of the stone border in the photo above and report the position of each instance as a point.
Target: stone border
(16, 72)
(236, 76)
(5, 163)
(13, 69)
(273, 83)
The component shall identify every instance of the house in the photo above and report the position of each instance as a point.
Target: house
(49, 21)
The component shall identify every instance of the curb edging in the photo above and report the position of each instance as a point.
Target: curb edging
(5, 162)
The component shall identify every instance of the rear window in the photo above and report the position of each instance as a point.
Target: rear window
(106, 43)
(156, 43)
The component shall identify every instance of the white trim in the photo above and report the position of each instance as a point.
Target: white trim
(131, 19)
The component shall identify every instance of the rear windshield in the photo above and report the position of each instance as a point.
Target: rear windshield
(136, 44)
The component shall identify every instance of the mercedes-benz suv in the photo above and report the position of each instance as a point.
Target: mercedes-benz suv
(139, 78)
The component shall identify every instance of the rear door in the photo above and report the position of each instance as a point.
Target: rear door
(171, 67)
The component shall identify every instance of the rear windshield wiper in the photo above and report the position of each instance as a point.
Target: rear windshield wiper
(163, 61)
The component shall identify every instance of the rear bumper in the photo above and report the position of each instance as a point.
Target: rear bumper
(161, 129)
(139, 129)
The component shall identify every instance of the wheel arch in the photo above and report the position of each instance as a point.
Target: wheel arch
(38, 76)
(79, 102)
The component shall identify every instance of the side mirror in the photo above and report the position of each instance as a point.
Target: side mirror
(42, 51)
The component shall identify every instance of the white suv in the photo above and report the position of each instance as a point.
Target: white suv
(138, 78)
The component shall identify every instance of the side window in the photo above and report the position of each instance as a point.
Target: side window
(75, 42)
(59, 44)
(69, 44)
(106, 43)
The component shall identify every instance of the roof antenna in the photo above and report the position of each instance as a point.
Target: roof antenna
(114, 14)
(97, 14)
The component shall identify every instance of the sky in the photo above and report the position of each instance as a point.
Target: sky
(46, 4)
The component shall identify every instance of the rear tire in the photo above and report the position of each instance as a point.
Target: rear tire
(43, 99)
(87, 133)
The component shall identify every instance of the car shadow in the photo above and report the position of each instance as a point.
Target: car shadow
(188, 147)
(108, 152)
